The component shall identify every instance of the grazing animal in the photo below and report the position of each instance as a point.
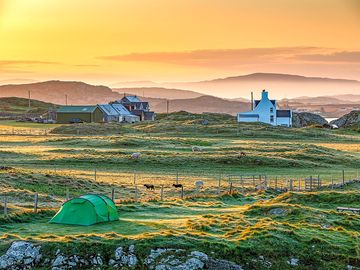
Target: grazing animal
(199, 184)
(5, 168)
(149, 186)
(196, 149)
(242, 154)
(135, 155)
(177, 185)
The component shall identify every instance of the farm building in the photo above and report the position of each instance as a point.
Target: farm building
(117, 113)
(265, 111)
(76, 114)
(86, 210)
(137, 107)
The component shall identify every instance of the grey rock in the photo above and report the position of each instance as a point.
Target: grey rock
(293, 261)
(214, 264)
(59, 261)
(20, 254)
(349, 119)
(118, 253)
(131, 249)
(178, 259)
(278, 212)
(303, 119)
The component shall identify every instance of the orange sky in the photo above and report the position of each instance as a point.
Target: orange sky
(110, 41)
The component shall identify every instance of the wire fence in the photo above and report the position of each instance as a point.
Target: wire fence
(52, 186)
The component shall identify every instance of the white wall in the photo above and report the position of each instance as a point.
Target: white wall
(284, 121)
(263, 109)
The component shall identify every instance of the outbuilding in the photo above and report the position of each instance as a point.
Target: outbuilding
(86, 210)
(78, 114)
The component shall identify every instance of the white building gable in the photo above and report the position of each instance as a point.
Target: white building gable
(265, 111)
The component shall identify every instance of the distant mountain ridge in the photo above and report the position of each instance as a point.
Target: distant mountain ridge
(56, 91)
(159, 92)
(279, 85)
(80, 93)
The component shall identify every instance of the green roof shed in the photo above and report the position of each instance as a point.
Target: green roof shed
(86, 210)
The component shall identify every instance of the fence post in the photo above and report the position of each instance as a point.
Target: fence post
(67, 194)
(299, 184)
(162, 193)
(242, 183)
(136, 193)
(319, 182)
(311, 182)
(182, 192)
(5, 207)
(291, 185)
(113, 194)
(134, 178)
(177, 177)
(219, 185)
(95, 176)
(332, 181)
(276, 183)
(254, 181)
(230, 190)
(343, 176)
(36, 201)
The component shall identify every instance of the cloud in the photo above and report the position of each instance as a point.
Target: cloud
(15, 63)
(241, 57)
(344, 57)
(216, 58)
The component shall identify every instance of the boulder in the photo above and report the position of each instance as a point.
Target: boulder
(350, 119)
(123, 258)
(303, 119)
(179, 259)
(20, 255)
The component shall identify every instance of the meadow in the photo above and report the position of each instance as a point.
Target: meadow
(73, 160)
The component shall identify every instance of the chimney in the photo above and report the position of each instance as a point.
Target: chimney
(264, 94)
(252, 100)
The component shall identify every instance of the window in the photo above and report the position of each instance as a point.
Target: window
(271, 118)
(271, 110)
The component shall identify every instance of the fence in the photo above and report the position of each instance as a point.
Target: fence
(61, 184)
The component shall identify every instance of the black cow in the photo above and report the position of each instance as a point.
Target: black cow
(177, 185)
(149, 186)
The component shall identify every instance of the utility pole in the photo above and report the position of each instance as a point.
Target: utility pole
(167, 106)
(29, 94)
(66, 100)
(252, 100)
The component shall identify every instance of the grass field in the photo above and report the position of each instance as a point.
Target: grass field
(239, 227)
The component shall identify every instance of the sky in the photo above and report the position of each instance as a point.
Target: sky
(110, 41)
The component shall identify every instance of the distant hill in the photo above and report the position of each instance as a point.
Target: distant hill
(19, 106)
(348, 98)
(199, 105)
(55, 91)
(159, 92)
(280, 85)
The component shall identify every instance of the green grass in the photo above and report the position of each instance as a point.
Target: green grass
(239, 228)
(15, 105)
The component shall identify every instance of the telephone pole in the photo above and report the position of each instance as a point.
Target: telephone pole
(66, 100)
(167, 106)
(29, 94)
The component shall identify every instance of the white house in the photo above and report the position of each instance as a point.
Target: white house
(265, 111)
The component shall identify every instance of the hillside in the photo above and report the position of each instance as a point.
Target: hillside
(351, 119)
(20, 106)
(199, 105)
(284, 85)
(159, 92)
(54, 91)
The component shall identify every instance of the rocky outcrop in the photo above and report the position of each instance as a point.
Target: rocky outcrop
(179, 259)
(347, 120)
(24, 255)
(303, 119)
(20, 255)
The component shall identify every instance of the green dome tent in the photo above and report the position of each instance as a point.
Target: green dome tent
(86, 210)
